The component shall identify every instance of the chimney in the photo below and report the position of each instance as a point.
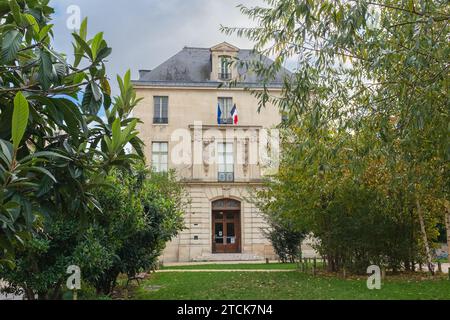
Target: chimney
(142, 73)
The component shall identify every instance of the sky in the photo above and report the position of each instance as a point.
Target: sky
(145, 33)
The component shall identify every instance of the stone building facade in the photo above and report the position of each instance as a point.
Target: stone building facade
(210, 133)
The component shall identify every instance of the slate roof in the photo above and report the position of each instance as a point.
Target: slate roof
(192, 67)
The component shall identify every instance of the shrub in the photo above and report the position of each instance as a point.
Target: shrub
(142, 212)
(286, 241)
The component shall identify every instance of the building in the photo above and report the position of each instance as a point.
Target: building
(211, 134)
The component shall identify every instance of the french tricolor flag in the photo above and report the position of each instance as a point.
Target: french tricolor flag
(234, 115)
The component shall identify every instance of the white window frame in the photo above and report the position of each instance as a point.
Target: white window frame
(226, 108)
(160, 156)
(225, 66)
(225, 165)
(159, 113)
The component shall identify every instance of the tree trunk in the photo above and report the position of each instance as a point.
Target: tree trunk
(29, 294)
(447, 225)
(56, 294)
(425, 238)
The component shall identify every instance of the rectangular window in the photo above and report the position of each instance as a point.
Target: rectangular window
(226, 105)
(226, 162)
(161, 110)
(160, 156)
(224, 68)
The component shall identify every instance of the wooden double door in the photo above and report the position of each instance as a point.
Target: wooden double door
(226, 231)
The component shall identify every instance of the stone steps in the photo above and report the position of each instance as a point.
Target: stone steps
(228, 257)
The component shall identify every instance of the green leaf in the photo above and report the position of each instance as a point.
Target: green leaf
(43, 154)
(44, 31)
(78, 78)
(45, 186)
(107, 101)
(44, 171)
(116, 134)
(10, 45)
(46, 70)
(137, 144)
(103, 53)
(8, 262)
(20, 119)
(33, 23)
(71, 118)
(7, 151)
(126, 134)
(108, 143)
(79, 48)
(15, 9)
(83, 29)
(89, 104)
(127, 78)
(27, 212)
(83, 46)
(96, 91)
(96, 43)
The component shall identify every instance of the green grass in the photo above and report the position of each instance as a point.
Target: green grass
(282, 285)
(245, 266)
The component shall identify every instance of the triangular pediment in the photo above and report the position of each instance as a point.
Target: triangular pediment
(225, 46)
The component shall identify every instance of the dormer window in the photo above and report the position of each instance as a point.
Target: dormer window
(225, 68)
(222, 59)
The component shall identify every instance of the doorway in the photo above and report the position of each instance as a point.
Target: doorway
(226, 226)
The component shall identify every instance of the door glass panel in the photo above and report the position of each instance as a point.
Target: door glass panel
(218, 216)
(218, 233)
(231, 235)
(230, 216)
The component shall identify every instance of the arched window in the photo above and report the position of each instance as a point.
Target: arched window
(226, 204)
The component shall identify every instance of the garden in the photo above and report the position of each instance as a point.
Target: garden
(364, 166)
(277, 281)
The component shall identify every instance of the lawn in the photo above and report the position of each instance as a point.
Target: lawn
(245, 266)
(282, 285)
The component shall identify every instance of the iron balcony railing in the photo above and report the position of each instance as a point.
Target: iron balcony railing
(226, 121)
(226, 176)
(225, 76)
(161, 120)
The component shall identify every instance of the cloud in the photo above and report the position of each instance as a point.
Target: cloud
(144, 33)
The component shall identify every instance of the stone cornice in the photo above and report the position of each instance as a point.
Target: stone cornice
(223, 184)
